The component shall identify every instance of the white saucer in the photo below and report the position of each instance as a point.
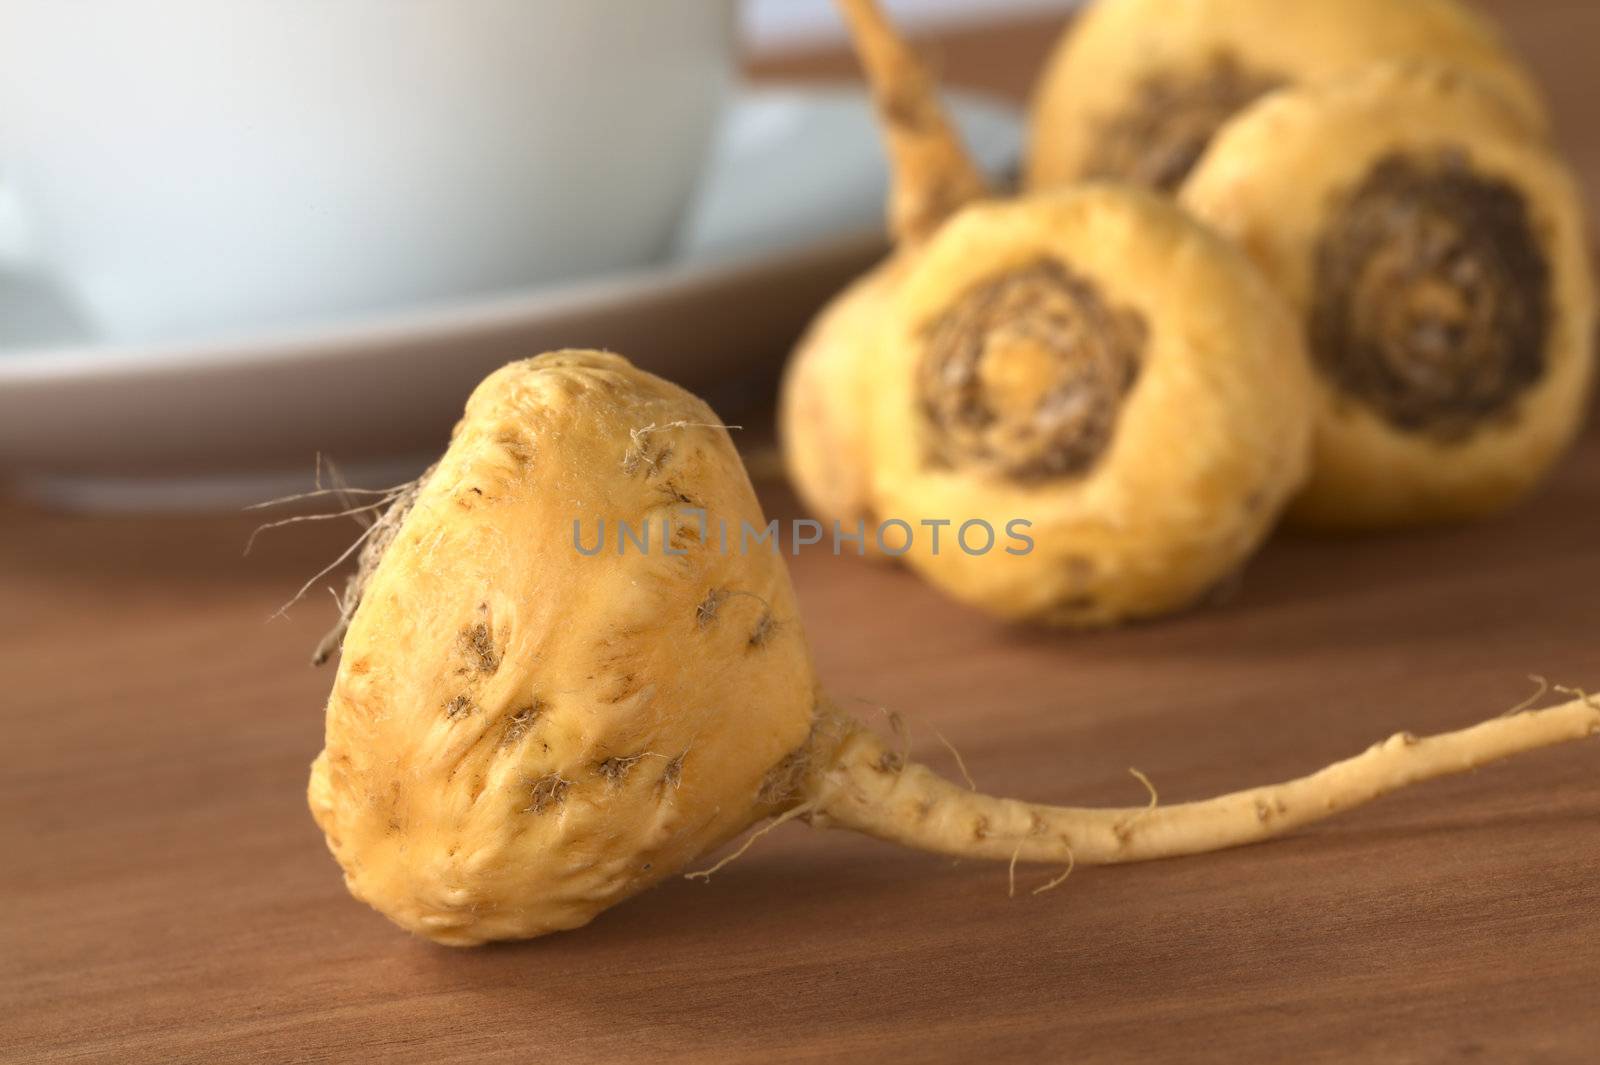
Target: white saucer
(790, 212)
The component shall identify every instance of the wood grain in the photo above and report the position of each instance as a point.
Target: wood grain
(165, 897)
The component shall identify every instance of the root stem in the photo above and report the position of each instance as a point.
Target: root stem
(934, 176)
(918, 808)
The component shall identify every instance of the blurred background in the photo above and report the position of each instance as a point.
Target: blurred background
(211, 273)
(783, 24)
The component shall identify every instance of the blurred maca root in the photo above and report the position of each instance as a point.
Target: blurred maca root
(1090, 360)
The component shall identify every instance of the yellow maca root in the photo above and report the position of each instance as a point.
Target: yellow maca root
(1093, 363)
(1439, 257)
(1090, 369)
(823, 404)
(1137, 88)
(523, 733)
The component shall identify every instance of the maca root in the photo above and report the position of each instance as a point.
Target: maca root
(554, 763)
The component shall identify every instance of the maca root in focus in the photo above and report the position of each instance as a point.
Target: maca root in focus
(626, 732)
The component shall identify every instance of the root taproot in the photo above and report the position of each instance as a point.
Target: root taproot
(916, 807)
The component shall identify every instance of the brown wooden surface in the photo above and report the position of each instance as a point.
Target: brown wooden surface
(164, 895)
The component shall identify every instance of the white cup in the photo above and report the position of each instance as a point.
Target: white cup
(187, 168)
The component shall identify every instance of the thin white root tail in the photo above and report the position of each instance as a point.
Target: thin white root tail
(961, 763)
(1072, 863)
(1155, 800)
(866, 788)
(750, 841)
(1541, 690)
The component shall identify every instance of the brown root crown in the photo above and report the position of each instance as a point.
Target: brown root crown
(1162, 133)
(1433, 296)
(1026, 374)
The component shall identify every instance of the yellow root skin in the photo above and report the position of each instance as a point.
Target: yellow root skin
(520, 736)
(1098, 69)
(864, 790)
(1209, 445)
(824, 404)
(1266, 183)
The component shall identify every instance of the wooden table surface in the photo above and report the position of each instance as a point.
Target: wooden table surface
(164, 895)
